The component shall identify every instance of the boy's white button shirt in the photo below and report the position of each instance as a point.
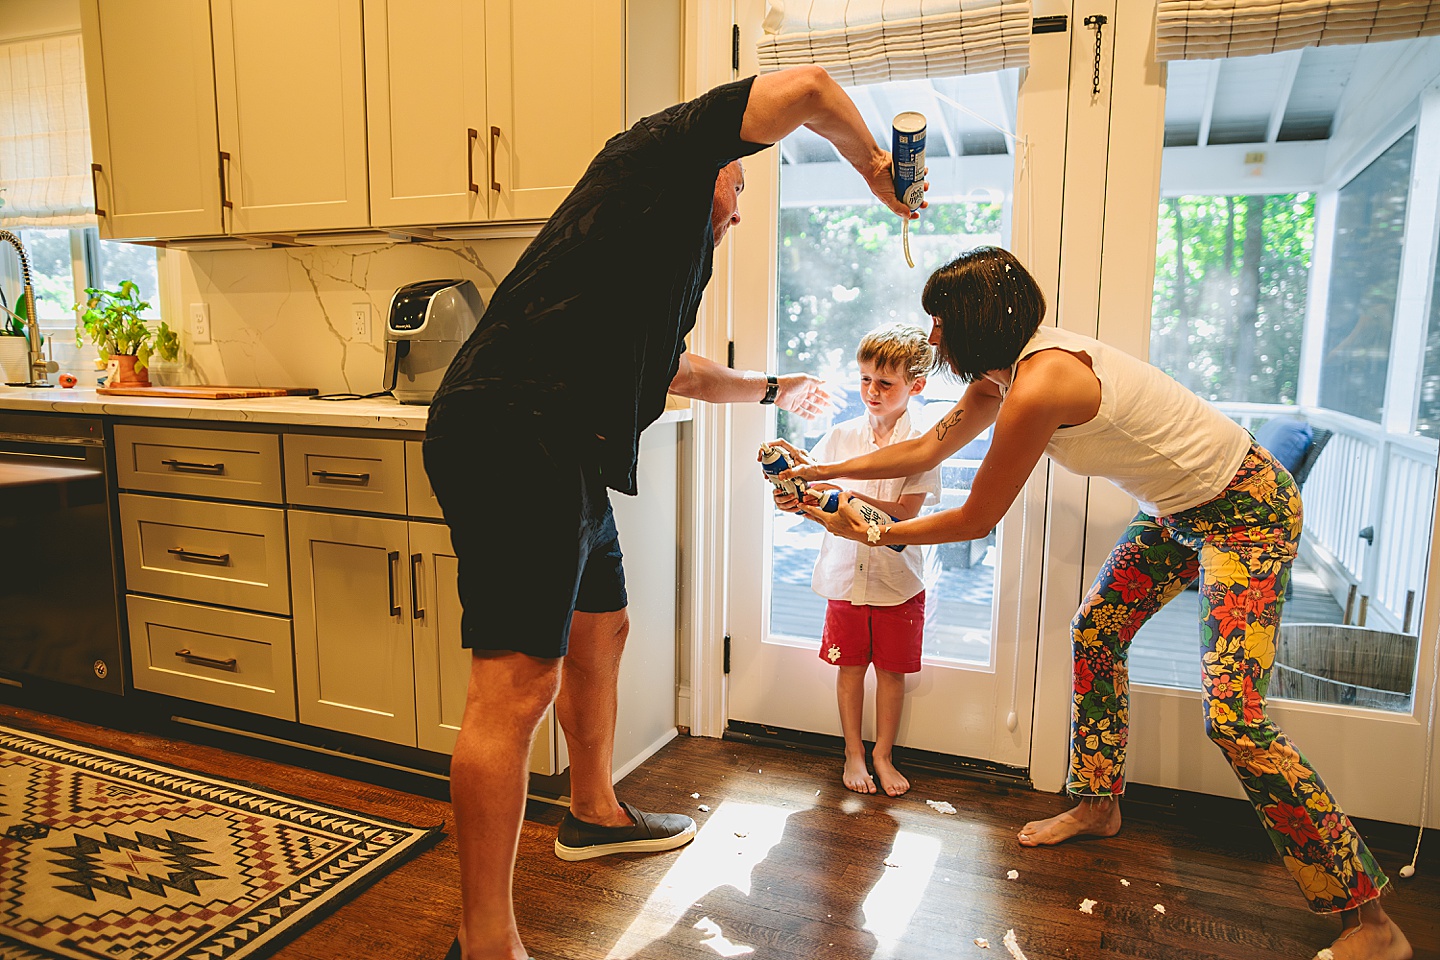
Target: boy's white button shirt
(862, 574)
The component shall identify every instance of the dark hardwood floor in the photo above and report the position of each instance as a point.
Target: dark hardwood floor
(789, 865)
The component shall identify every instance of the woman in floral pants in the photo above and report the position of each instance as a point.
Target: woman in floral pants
(1212, 504)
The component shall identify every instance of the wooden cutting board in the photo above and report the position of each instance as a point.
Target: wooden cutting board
(206, 392)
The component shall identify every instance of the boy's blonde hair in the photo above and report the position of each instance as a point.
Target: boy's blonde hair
(898, 346)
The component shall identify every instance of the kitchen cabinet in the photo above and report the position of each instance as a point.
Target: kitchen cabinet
(150, 81)
(488, 111)
(265, 134)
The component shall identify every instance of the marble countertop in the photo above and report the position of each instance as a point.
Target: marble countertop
(378, 414)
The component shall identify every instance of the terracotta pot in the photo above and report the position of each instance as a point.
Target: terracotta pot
(125, 372)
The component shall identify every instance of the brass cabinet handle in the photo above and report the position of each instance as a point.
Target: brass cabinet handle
(329, 476)
(415, 559)
(95, 187)
(390, 561)
(218, 559)
(494, 141)
(226, 664)
(184, 466)
(224, 192)
(470, 159)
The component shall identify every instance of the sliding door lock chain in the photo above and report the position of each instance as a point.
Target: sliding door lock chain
(1097, 21)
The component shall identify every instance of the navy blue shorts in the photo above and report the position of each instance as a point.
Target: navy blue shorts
(533, 531)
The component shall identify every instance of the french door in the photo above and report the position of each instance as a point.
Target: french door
(804, 295)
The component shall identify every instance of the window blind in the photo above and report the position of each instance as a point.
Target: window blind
(1211, 29)
(872, 41)
(44, 135)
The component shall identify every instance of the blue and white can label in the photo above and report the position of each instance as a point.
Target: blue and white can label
(908, 158)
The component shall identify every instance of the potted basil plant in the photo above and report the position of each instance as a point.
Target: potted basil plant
(111, 319)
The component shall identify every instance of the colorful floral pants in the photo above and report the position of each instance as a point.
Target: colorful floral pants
(1241, 545)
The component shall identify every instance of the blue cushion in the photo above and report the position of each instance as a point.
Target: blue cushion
(1287, 438)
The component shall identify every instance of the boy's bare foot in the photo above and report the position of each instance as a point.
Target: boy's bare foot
(1370, 935)
(1093, 817)
(856, 777)
(892, 781)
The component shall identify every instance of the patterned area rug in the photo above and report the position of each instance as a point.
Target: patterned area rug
(106, 856)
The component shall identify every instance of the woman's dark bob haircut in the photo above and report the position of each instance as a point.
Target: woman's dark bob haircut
(988, 306)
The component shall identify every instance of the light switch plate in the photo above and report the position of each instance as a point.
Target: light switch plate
(200, 322)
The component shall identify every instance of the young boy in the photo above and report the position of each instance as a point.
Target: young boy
(876, 610)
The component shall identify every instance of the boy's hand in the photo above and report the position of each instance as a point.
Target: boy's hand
(786, 500)
(803, 395)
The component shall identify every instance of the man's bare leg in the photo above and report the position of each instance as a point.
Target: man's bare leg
(507, 696)
(850, 698)
(889, 703)
(1370, 934)
(1092, 817)
(586, 709)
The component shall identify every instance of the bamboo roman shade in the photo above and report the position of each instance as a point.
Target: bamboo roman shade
(1211, 29)
(872, 41)
(44, 135)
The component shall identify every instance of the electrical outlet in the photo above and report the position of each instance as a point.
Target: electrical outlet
(360, 322)
(200, 322)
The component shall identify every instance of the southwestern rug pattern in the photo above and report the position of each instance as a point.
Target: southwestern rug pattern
(107, 856)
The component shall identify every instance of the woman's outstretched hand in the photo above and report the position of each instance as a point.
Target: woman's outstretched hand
(845, 522)
(805, 468)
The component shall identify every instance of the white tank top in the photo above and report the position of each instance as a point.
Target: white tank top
(1152, 437)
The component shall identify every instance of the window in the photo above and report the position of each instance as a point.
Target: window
(63, 262)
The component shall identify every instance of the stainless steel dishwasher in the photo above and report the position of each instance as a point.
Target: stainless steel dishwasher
(59, 595)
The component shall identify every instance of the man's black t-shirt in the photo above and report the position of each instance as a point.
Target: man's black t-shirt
(588, 329)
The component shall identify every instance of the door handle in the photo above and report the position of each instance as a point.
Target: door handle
(218, 559)
(95, 187)
(470, 159)
(494, 141)
(226, 664)
(390, 561)
(185, 466)
(224, 191)
(415, 559)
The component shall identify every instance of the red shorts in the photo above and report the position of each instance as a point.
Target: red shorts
(889, 637)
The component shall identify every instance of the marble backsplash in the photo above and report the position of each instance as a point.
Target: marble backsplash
(281, 316)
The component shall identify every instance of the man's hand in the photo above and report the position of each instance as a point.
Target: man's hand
(803, 395)
(880, 178)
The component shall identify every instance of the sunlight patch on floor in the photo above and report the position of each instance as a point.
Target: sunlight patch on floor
(893, 900)
(725, 851)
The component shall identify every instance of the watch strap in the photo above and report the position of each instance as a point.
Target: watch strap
(772, 388)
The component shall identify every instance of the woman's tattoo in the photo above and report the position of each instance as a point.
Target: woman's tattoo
(943, 427)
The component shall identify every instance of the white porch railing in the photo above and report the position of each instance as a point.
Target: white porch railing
(1369, 509)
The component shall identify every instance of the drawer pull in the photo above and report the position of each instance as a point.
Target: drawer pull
(185, 466)
(218, 559)
(415, 559)
(328, 476)
(390, 561)
(186, 655)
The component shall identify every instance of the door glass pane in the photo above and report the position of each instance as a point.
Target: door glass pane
(842, 273)
(1282, 290)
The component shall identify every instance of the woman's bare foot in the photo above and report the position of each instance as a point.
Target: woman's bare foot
(892, 781)
(1370, 934)
(1093, 817)
(856, 777)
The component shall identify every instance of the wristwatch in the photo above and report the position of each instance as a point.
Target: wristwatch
(772, 388)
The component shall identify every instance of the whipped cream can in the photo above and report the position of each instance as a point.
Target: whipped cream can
(907, 153)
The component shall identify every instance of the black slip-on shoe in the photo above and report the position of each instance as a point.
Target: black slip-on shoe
(454, 953)
(650, 833)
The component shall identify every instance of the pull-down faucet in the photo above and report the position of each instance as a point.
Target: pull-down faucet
(38, 365)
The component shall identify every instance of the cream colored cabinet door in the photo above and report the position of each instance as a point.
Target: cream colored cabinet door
(555, 87)
(150, 82)
(354, 666)
(290, 97)
(442, 666)
(425, 98)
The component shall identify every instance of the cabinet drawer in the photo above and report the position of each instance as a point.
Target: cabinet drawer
(225, 657)
(203, 463)
(346, 473)
(212, 552)
(417, 482)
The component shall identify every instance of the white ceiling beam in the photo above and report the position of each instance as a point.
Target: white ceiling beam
(1290, 66)
(935, 121)
(1007, 95)
(1207, 111)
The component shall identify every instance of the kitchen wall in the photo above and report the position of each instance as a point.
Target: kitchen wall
(282, 316)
